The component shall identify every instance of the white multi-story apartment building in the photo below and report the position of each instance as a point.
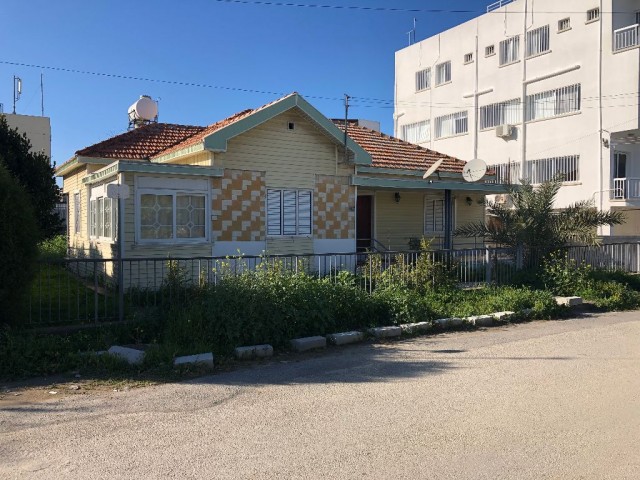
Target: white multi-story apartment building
(537, 88)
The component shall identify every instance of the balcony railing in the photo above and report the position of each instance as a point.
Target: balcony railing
(626, 37)
(499, 4)
(626, 189)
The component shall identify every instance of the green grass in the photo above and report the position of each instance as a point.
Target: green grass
(59, 297)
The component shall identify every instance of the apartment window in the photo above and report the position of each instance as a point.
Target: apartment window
(423, 79)
(417, 132)
(468, 58)
(443, 73)
(288, 212)
(593, 14)
(553, 103)
(490, 50)
(545, 169)
(537, 41)
(510, 50)
(171, 215)
(102, 217)
(434, 215)
(453, 124)
(76, 213)
(564, 25)
(503, 113)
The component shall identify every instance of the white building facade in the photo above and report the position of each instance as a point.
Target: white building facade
(537, 88)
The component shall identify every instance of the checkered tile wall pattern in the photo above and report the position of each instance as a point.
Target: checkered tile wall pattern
(237, 206)
(334, 208)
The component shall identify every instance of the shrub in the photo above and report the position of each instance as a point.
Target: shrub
(54, 248)
(18, 238)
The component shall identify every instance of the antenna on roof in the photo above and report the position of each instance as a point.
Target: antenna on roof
(346, 123)
(412, 33)
(17, 91)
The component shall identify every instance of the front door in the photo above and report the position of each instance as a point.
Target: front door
(364, 223)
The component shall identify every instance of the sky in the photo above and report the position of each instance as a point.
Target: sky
(204, 60)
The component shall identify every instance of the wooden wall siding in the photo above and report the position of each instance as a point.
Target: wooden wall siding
(289, 245)
(334, 208)
(396, 223)
(290, 158)
(203, 159)
(238, 206)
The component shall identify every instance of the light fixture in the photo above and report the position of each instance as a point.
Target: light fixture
(469, 201)
(396, 197)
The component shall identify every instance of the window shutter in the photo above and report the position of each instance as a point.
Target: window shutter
(274, 212)
(289, 212)
(304, 212)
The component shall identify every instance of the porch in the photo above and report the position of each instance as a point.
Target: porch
(625, 166)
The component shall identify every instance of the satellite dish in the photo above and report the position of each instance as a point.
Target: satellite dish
(474, 170)
(432, 168)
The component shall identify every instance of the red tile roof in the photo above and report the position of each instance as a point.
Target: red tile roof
(141, 143)
(391, 152)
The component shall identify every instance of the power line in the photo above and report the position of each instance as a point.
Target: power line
(377, 9)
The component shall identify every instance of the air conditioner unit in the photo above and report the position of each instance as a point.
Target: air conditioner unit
(504, 131)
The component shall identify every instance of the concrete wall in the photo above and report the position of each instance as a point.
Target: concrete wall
(37, 129)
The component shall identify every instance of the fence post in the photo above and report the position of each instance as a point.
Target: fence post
(487, 264)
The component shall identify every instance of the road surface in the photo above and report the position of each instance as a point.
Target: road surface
(543, 400)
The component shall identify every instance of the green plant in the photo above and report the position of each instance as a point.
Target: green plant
(533, 225)
(18, 237)
(54, 248)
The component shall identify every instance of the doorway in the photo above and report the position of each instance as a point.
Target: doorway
(364, 222)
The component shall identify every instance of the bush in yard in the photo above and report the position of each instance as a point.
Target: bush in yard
(54, 248)
(18, 244)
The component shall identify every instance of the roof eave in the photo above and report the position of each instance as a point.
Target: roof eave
(79, 160)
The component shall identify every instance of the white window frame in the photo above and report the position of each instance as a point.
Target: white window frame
(77, 211)
(593, 15)
(423, 80)
(538, 41)
(98, 213)
(433, 215)
(417, 132)
(501, 113)
(298, 213)
(545, 169)
(564, 24)
(509, 51)
(553, 103)
(443, 73)
(174, 187)
(452, 125)
(468, 58)
(489, 50)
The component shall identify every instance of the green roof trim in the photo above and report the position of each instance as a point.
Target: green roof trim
(411, 173)
(198, 147)
(217, 141)
(401, 184)
(155, 168)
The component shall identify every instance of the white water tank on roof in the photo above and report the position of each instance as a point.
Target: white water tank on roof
(144, 109)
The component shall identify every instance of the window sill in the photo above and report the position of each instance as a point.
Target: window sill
(592, 21)
(530, 57)
(443, 84)
(469, 62)
(287, 237)
(632, 47)
(172, 242)
(565, 30)
(509, 64)
(423, 90)
(490, 55)
(453, 136)
(563, 115)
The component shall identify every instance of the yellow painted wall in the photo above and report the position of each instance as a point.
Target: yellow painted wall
(396, 223)
(631, 227)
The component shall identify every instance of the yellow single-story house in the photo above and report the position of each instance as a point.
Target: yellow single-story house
(275, 179)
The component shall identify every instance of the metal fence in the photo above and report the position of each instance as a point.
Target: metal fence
(88, 291)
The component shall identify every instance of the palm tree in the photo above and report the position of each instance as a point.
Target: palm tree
(533, 225)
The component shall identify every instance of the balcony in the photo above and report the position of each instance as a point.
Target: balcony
(625, 38)
(626, 189)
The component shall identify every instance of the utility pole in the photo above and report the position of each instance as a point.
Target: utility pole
(346, 126)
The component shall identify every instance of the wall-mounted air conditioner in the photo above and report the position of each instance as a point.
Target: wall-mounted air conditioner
(504, 131)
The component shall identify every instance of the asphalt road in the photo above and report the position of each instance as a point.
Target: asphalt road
(542, 400)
